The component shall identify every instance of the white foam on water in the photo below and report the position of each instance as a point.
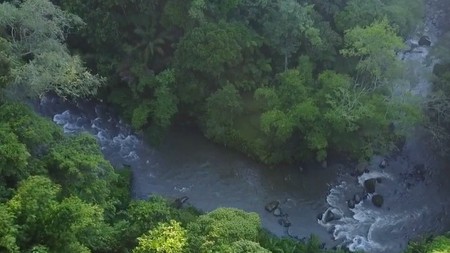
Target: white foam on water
(372, 175)
(69, 122)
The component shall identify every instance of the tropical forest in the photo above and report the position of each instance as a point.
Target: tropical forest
(234, 126)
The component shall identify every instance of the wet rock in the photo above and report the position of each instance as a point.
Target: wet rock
(329, 215)
(319, 216)
(377, 200)
(271, 206)
(424, 41)
(383, 164)
(370, 184)
(178, 203)
(379, 180)
(285, 222)
(357, 198)
(351, 203)
(277, 212)
(360, 169)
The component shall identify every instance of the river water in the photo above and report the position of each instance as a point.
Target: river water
(414, 185)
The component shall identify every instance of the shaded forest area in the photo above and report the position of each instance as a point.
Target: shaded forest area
(281, 81)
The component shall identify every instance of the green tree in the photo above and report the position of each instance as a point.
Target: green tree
(212, 55)
(13, 157)
(78, 165)
(165, 238)
(404, 15)
(244, 246)
(222, 227)
(222, 108)
(76, 226)
(287, 24)
(375, 46)
(8, 231)
(143, 216)
(31, 206)
(37, 30)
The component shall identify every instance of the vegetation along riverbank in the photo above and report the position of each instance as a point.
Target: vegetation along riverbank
(282, 81)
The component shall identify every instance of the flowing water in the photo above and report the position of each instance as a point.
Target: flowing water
(414, 185)
(187, 164)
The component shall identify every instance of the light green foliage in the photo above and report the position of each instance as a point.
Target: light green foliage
(143, 216)
(278, 123)
(376, 46)
(346, 105)
(245, 246)
(75, 226)
(439, 244)
(58, 72)
(33, 131)
(8, 231)
(222, 227)
(70, 225)
(140, 115)
(402, 14)
(165, 238)
(31, 205)
(79, 166)
(38, 31)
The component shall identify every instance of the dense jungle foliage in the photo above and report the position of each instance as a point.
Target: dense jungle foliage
(279, 80)
(282, 81)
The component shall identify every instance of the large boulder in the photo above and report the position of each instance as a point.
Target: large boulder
(377, 200)
(424, 41)
(277, 212)
(351, 203)
(383, 164)
(360, 169)
(370, 184)
(329, 215)
(285, 222)
(178, 203)
(357, 198)
(271, 206)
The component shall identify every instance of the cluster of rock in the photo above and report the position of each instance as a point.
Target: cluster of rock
(274, 208)
(369, 188)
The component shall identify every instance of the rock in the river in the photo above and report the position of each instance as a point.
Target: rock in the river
(329, 215)
(425, 41)
(284, 222)
(277, 212)
(178, 203)
(319, 216)
(357, 198)
(369, 185)
(361, 168)
(383, 163)
(271, 206)
(377, 200)
(351, 203)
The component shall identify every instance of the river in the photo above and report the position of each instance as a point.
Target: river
(414, 185)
